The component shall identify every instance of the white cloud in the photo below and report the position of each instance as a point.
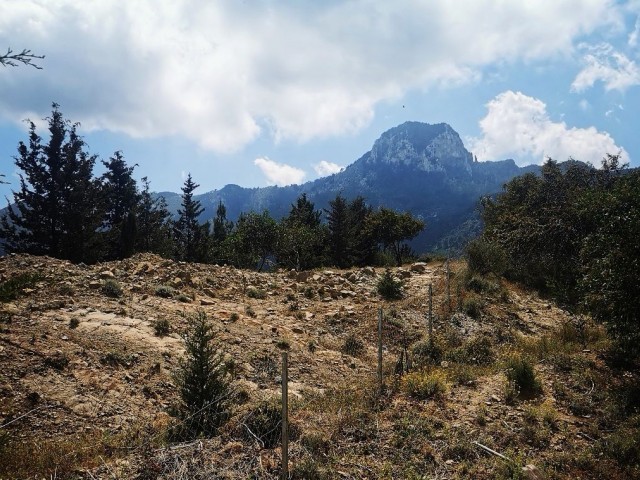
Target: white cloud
(223, 73)
(325, 168)
(633, 36)
(604, 64)
(584, 105)
(518, 125)
(279, 173)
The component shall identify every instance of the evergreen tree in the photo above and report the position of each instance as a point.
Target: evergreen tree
(187, 232)
(301, 237)
(154, 231)
(121, 200)
(338, 236)
(203, 381)
(222, 228)
(57, 210)
(362, 246)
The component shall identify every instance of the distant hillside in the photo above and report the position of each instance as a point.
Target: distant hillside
(418, 167)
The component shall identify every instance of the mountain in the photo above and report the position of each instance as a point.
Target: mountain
(416, 167)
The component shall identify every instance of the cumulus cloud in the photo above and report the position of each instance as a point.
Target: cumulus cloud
(604, 64)
(223, 73)
(279, 174)
(519, 126)
(325, 168)
(633, 36)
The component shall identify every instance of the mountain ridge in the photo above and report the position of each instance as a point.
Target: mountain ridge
(417, 167)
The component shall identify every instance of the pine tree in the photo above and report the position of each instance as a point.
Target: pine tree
(203, 381)
(187, 232)
(338, 224)
(154, 231)
(301, 237)
(121, 200)
(57, 210)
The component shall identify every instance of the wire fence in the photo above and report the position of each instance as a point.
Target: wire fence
(252, 443)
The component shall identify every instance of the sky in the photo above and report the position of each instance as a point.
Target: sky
(267, 92)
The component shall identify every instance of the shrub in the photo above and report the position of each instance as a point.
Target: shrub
(73, 323)
(424, 385)
(256, 293)
(476, 351)
(388, 287)
(165, 291)
(352, 346)
(234, 317)
(265, 422)
(480, 284)
(472, 306)
(283, 344)
(427, 352)
(520, 371)
(12, 288)
(203, 382)
(184, 298)
(309, 293)
(111, 288)
(161, 327)
(485, 257)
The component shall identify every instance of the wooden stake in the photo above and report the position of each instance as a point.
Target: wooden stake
(285, 417)
(430, 315)
(380, 350)
(448, 286)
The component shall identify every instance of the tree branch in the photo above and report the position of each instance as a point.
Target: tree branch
(25, 57)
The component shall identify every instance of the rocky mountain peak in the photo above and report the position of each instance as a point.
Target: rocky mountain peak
(428, 147)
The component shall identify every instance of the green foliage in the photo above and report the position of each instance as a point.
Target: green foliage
(121, 199)
(485, 257)
(191, 238)
(428, 352)
(352, 346)
(161, 327)
(392, 229)
(521, 374)
(258, 293)
(165, 291)
(58, 209)
(11, 289)
(476, 351)
(203, 381)
(610, 256)
(265, 422)
(253, 241)
(388, 287)
(154, 231)
(424, 385)
(111, 288)
(472, 306)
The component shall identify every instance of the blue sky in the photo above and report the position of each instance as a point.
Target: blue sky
(264, 92)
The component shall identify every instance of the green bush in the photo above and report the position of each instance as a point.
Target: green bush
(521, 373)
(352, 346)
(161, 327)
(12, 288)
(485, 257)
(424, 385)
(388, 287)
(256, 293)
(476, 351)
(426, 352)
(265, 422)
(472, 306)
(165, 291)
(111, 288)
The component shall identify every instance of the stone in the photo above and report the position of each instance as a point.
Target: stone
(418, 267)
(531, 472)
(205, 302)
(106, 274)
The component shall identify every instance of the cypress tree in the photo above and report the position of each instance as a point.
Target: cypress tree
(154, 232)
(57, 210)
(187, 232)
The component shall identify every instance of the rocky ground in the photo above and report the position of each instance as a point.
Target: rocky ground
(87, 383)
